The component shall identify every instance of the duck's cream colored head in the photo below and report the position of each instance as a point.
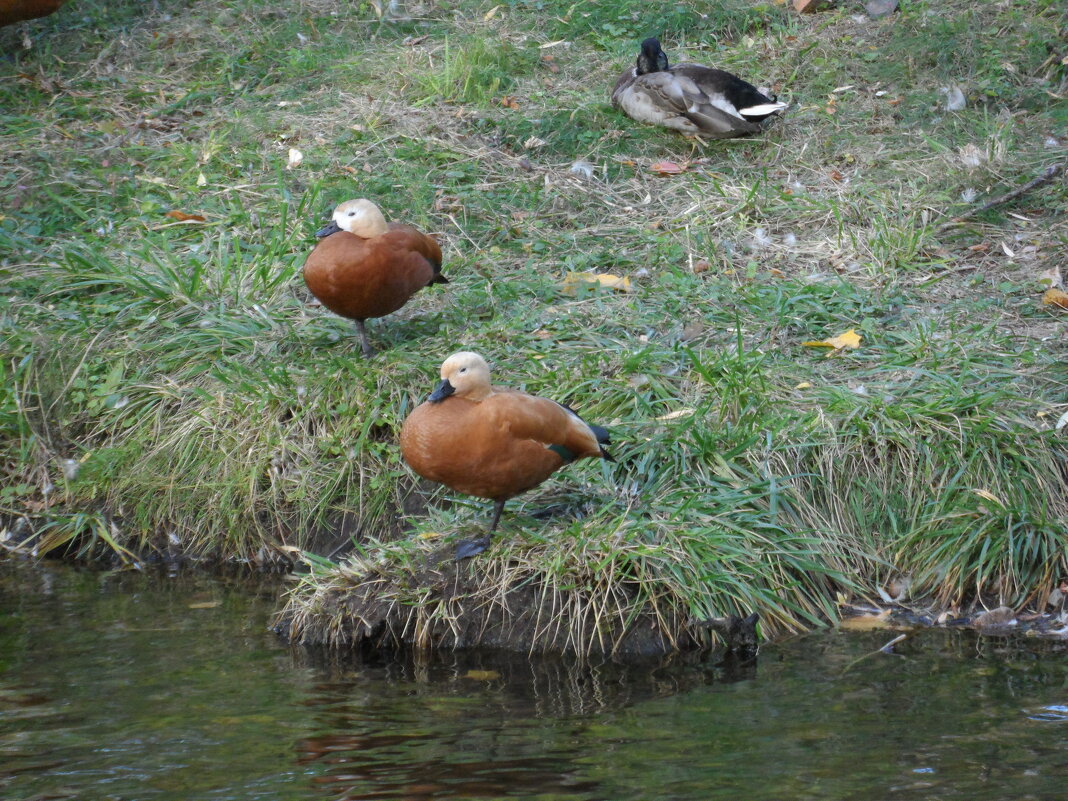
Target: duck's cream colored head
(465, 375)
(360, 217)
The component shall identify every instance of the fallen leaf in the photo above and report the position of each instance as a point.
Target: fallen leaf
(490, 14)
(1055, 297)
(988, 495)
(777, 273)
(982, 247)
(1050, 278)
(482, 675)
(668, 168)
(675, 415)
(202, 180)
(849, 339)
(541, 333)
(1008, 251)
(700, 266)
(549, 63)
(572, 281)
(205, 605)
(181, 216)
(835, 175)
(804, 385)
(296, 158)
(1061, 422)
(867, 622)
(509, 102)
(430, 535)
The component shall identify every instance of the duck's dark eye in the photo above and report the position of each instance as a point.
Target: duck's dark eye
(352, 214)
(463, 369)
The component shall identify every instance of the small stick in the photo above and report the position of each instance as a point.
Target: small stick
(886, 649)
(1048, 175)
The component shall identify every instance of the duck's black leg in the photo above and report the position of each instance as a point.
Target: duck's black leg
(468, 548)
(365, 343)
(497, 509)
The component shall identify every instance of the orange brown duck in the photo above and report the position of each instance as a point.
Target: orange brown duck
(492, 442)
(364, 267)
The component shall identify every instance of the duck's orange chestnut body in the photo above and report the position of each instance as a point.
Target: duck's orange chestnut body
(492, 442)
(12, 11)
(365, 267)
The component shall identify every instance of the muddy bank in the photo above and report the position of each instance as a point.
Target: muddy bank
(440, 604)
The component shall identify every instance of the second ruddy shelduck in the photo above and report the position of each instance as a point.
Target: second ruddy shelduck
(364, 267)
(492, 442)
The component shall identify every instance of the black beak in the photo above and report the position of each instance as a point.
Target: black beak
(332, 228)
(442, 392)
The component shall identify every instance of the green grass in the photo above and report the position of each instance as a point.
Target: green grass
(211, 410)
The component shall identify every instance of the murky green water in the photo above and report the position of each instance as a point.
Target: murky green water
(145, 687)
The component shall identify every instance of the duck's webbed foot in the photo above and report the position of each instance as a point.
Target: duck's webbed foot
(468, 548)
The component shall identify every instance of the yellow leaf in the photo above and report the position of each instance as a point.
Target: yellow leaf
(850, 339)
(572, 281)
(205, 605)
(490, 13)
(804, 384)
(482, 675)
(1055, 297)
(181, 216)
(867, 622)
(430, 535)
(676, 414)
(982, 493)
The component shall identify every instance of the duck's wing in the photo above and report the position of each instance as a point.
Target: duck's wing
(678, 95)
(729, 92)
(541, 420)
(625, 80)
(411, 239)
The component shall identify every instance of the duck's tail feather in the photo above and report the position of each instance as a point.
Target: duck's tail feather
(603, 438)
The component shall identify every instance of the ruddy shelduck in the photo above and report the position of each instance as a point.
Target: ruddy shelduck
(492, 442)
(364, 267)
(690, 98)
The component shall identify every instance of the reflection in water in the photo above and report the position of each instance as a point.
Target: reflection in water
(127, 686)
(427, 742)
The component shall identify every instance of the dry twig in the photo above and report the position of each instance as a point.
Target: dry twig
(1048, 175)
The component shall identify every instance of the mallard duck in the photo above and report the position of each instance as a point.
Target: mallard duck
(690, 98)
(364, 267)
(492, 442)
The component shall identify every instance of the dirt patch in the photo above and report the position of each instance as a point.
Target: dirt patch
(443, 604)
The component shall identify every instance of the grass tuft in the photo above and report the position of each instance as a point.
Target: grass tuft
(168, 387)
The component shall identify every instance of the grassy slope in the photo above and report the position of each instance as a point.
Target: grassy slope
(211, 409)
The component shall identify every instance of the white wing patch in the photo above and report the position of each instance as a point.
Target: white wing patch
(761, 110)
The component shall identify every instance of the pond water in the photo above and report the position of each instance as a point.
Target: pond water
(142, 686)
